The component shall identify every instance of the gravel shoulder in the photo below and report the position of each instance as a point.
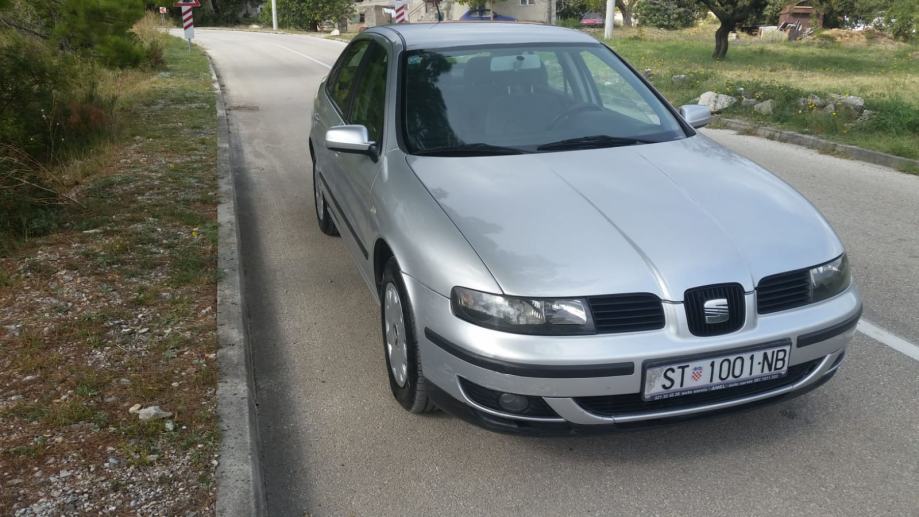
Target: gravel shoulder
(108, 366)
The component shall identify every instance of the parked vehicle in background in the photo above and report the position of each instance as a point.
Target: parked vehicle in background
(554, 246)
(485, 15)
(593, 20)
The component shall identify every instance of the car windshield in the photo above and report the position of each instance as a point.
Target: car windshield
(511, 100)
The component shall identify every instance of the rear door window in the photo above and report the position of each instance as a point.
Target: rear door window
(345, 73)
(368, 106)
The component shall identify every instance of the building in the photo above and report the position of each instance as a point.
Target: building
(369, 13)
(800, 16)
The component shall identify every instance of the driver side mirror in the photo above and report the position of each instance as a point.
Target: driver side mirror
(351, 139)
(696, 115)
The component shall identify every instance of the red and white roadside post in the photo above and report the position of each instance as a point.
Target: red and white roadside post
(188, 18)
(401, 12)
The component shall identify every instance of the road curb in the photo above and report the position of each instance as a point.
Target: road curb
(238, 481)
(819, 144)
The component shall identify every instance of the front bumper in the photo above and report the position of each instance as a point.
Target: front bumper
(567, 371)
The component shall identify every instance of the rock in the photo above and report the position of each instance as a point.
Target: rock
(14, 330)
(765, 107)
(864, 117)
(124, 382)
(829, 108)
(29, 378)
(811, 100)
(170, 426)
(748, 102)
(648, 73)
(744, 94)
(716, 102)
(335, 32)
(152, 457)
(850, 102)
(255, 26)
(109, 400)
(816, 100)
(679, 79)
(134, 409)
(152, 412)
(14, 398)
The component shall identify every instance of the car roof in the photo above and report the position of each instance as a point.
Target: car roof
(458, 34)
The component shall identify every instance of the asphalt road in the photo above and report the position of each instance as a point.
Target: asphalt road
(335, 443)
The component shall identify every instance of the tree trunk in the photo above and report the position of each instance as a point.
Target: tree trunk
(721, 39)
(626, 10)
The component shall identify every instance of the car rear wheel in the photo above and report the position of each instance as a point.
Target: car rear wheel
(403, 362)
(326, 225)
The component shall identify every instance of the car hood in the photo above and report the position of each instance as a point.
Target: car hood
(658, 218)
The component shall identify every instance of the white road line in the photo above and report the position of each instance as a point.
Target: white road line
(302, 55)
(893, 341)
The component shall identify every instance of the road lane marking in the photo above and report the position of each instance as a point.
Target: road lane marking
(893, 341)
(311, 58)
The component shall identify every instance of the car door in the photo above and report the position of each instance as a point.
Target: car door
(358, 171)
(332, 110)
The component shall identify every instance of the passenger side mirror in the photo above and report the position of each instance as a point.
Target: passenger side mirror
(351, 139)
(696, 115)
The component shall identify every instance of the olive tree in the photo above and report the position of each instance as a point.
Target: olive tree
(731, 13)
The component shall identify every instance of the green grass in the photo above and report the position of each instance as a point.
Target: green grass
(884, 73)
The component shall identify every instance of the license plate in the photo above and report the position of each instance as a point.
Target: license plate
(715, 373)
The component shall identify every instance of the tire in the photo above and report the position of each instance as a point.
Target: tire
(407, 383)
(326, 225)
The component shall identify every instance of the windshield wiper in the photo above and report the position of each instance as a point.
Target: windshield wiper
(591, 142)
(478, 149)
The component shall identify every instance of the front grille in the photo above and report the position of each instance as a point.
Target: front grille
(694, 302)
(489, 398)
(627, 312)
(783, 291)
(611, 405)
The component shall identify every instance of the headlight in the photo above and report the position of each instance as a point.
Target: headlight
(829, 279)
(522, 315)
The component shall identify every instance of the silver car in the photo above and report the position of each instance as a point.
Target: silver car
(554, 247)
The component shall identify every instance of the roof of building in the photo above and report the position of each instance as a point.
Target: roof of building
(456, 34)
(798, 9)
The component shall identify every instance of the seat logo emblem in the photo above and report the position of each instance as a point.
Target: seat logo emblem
(716, 311)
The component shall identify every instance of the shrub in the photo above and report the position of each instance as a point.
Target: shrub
(903, 19)
(571, 23)
(148, 32)
(669, 14)
(568, 10)
(300, 14)
(101, 29)
(50, 109)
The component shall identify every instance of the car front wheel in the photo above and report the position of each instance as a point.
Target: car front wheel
(403, 362)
